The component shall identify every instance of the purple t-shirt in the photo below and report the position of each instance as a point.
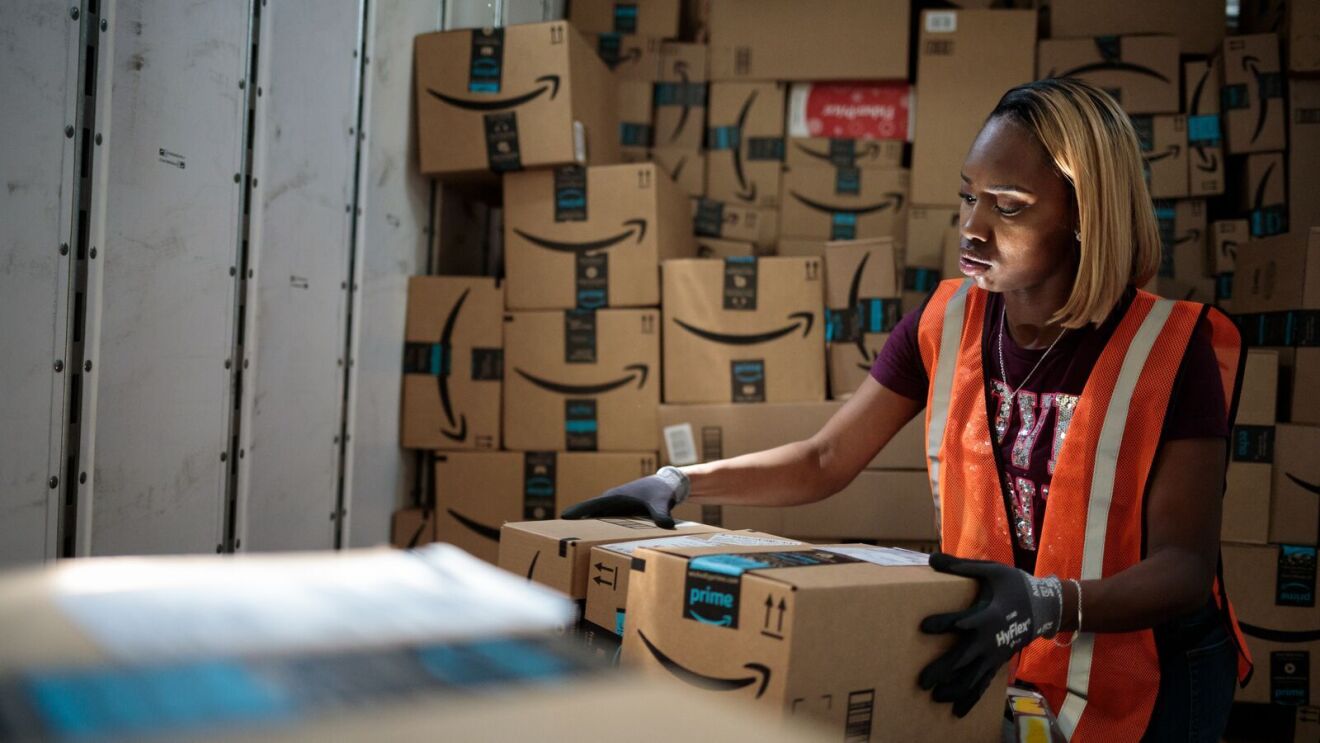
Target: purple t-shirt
(1030, 431)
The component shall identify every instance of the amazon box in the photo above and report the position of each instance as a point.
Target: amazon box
(711, 218)
(591, 237)
(744, 330)
(1295, 496)
(1252, 96)
(1205, 140)
(928, 230)
(1303, 38)
(966, 59)
(820, 40)
(1226, 237)
(582, 380)
(1198, 24)
(680, 97)
(1305, 405)
(686, 168)
(635, 112)
(557, 552)
(850, 363)
(862, 154)
(1182, 226)
(713, 247)
(1246, 515)
(1163, 141)
(1140, 72)
(412, 527)
(477, 492)
(510, 98)
(862, 289)
(1304, 152)
(859, 110)
(1262, 193)
(611, 563)
(745, 143)
(828, 203)
(453, 363)
(707, 433)
(1272, 588)
(630, 57)
(831, 633)
(1278, 273)
(657, 18)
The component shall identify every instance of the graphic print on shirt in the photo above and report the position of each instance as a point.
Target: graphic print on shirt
(1028, 416)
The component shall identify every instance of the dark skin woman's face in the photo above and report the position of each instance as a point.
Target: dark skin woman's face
(1017, 217)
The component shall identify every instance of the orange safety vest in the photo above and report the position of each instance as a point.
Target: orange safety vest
(1103, 686)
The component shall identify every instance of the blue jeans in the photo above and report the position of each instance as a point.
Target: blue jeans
(1198, 675)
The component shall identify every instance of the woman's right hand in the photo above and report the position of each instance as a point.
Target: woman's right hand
(649, 497)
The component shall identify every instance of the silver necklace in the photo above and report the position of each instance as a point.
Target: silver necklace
(1002, 314)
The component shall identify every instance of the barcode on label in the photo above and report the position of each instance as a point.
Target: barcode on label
(680, 444)
(941, 21)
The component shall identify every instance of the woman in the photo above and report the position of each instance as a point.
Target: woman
(1076, 437)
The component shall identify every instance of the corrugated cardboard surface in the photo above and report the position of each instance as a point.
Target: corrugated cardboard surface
(631, 57)
(821, 203)
(713, 218)
(1266, 585)
(686, 168)
(839, 642)
(1305, 381)
(634, 217)
(1247, 62)
(635, 99)
(1278, 273)
(738, 169)
(863, 154)
(1295, 495)
(820, 40)
(680, 115)
(1163, 142)
(1304, 148)
(1151, 88)
(651, 18)
(477, 492)
(860, 269)
(546, 374)
(1204, 128)
(714, 247)
(1198, 24)
(1227, 236)
(962, 70)
(772, 351)
(412, 527)
(459, 409)
(551, 58)
(850, 363)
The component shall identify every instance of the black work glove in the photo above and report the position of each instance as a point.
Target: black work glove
(1012, 609)
(649, 497)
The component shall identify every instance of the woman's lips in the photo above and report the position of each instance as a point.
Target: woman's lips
(972, 266)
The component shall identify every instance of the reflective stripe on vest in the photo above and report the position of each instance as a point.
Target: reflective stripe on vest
(942, 390)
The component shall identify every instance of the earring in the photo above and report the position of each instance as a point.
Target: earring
(1077, 235)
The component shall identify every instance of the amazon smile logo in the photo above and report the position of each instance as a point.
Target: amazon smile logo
(546, 83)
(1171, 151)
(872, 149)
(531, 568)
(1279, 635)
(480, 529)
(638, 372)
(446, 336)
(803, 320)
(681, 69)
(1259, 200)
(1207, 160)
(1312, 488)
(1252, 64)
(633, 227)
(894, 200)
(760, 672)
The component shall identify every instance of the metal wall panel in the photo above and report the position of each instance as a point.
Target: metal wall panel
(161, 292)
(39, 47)
(304, 158)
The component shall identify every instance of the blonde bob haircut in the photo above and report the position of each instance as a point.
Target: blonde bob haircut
(1095, 149)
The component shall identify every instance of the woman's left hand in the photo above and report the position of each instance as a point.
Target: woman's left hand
(1012, 609)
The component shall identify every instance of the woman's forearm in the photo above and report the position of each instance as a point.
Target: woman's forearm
(787, 475)
(1164, 586)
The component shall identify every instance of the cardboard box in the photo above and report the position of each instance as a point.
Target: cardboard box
(863, 154)
(821, 40)
(686, 168)
(412, 527)
(629, 57)
(1226, 237)
(850, 363)
(607, 592)
(1278, 273)
(453, 362)
(1182, 226)
(714, 247)
(1295, 495)
(1273, 591)
(591, 237)
(556, 553)
(657, 18)
(1140, 72)
(1259, 395)
(635, 116)
(1205, 139)
(966, 59)
(1247, 494)
(1303, 37)
(1163, 141)
(1303, 153)
(680, 97)
(927, 231)
(866, 110)
(1198, 24)
(477, 492)
(745, 143)
(582, 380)
(862, 289)
(744, 330)
(772, 621)
(1252, 80)
(1305, 406)
(1306, 725)
(711, 218)
(538, 97)
(1262, 189)
(706, 433)
(827, 203)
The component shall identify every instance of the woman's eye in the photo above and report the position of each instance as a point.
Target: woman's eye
(967, 198)
(1007, 212)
